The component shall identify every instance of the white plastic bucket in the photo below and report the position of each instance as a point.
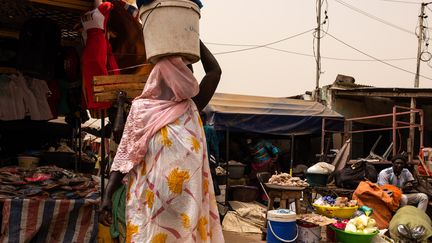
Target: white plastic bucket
(308, 233)
(171, 27)
(281, 226)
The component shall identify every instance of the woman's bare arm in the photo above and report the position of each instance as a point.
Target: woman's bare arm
(211, 79)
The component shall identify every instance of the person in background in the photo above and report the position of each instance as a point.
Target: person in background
(402, 178)
(169, 195)
(263, 154)
(212, 149)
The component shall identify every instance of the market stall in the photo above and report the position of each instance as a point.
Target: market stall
(48, 204)
(267, 116)
(44, 195)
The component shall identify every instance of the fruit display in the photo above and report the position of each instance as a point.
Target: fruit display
(361, 224)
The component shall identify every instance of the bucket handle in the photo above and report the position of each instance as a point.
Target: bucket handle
(145, 21)
(277, 237)
(157, 5)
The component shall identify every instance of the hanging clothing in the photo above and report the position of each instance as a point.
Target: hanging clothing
(212, 142)
(11, 97)
(97, 56)
(41, 92)
(170, 197)
(22, 97)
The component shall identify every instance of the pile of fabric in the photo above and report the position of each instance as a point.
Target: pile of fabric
(46, 182)
(245, 217)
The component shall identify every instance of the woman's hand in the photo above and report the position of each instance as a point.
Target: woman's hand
(105, 213)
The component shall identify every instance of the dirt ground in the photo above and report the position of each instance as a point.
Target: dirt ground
(241, 237)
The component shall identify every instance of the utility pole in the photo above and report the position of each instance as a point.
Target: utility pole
(318, 53)
(416, 83)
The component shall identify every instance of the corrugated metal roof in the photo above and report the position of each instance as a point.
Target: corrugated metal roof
(245, 104)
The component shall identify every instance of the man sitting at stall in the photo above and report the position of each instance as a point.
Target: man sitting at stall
(401, 177)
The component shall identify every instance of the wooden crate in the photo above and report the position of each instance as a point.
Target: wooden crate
(105, 88)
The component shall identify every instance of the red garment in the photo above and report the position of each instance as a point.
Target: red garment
(97, 56)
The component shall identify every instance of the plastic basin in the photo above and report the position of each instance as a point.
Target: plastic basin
(315, 179)
(335, 212)
(343, 236)
(236, 171)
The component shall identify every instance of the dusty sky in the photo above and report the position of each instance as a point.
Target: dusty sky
(268, 72)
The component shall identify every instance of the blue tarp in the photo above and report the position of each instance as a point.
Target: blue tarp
(267, 115)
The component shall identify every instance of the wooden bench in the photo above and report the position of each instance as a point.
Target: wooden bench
(105, 88)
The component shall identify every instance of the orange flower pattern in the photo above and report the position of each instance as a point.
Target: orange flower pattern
(202, 229)
(159, 238)
(205, 186)
(176, 179)
(149, 198)
(165, 139)
(195, 144)
(170, 195)
(185, 220)
(130, 231)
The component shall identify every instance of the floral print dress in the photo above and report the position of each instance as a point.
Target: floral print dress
(170, 197)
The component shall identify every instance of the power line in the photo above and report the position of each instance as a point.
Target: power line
(364, 53)
(268, 44)
(428, 8)
(343, 59)
(310, 55)
(373, 17)
(399, 1)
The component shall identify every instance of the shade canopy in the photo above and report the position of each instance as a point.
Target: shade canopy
(268, 115)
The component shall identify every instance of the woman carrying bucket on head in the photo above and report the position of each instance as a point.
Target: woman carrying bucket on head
(163, 155)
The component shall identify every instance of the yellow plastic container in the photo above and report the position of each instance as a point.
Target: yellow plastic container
(335, 212)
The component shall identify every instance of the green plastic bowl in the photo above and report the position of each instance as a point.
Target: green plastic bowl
(348, 237)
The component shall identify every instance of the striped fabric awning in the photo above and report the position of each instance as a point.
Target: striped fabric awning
(49, 220)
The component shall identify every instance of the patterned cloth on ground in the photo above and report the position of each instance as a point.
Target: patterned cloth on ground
(49, 220)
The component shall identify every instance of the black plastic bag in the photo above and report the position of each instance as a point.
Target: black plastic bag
(351, 176)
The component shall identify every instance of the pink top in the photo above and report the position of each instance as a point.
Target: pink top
(166, 96)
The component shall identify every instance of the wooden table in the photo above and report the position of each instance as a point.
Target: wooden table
(284, 196)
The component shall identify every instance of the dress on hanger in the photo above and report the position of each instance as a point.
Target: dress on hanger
(97, 58)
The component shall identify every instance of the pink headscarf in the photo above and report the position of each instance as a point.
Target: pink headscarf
(166, 97)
